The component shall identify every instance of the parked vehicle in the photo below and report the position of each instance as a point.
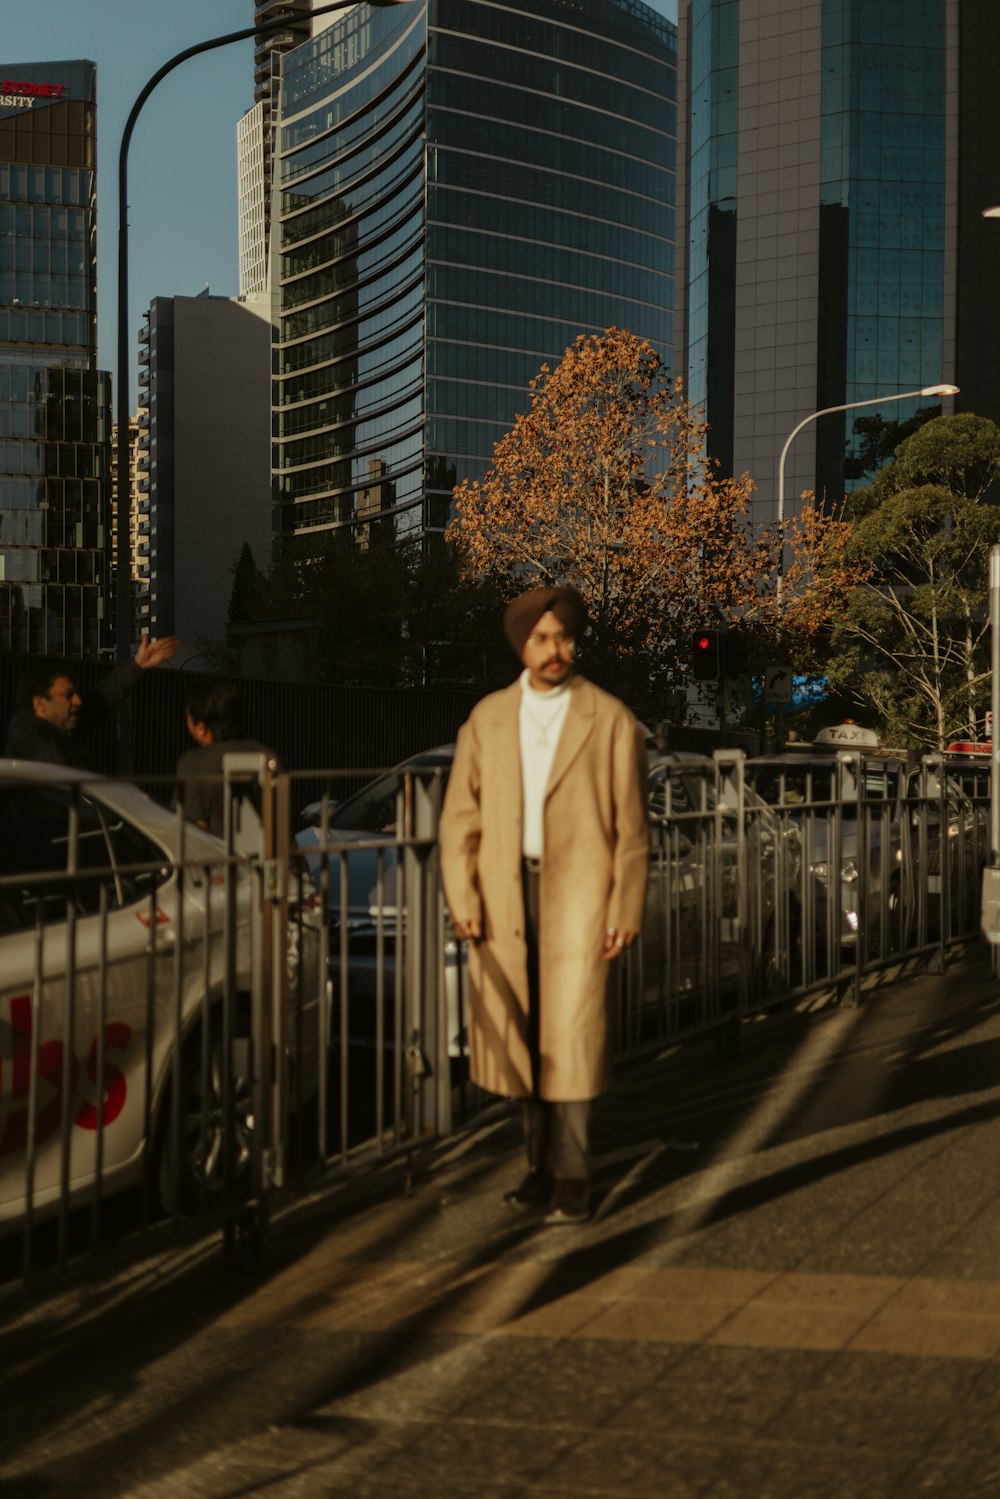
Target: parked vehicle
(949, 795)
(969, 764)
(871, 823)
(817, 788)
(702, 921)
(115, 954)
(366, 937)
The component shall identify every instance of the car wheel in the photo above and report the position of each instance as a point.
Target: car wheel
(203, 1126)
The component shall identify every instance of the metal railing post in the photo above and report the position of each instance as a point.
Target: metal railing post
(995, 740)
(849, 779)
(425, 1028)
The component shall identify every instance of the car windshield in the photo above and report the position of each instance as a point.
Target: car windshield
(673, 791)
(792, 784)
(373, 809)
(881, 783)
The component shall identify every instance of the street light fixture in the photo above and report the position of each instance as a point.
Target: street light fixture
(122, 572)
(906, 395)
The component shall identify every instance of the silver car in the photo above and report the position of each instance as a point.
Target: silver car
(110, 951)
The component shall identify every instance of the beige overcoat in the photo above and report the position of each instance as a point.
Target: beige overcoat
(593, 877)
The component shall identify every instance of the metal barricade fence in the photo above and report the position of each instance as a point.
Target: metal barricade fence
(205, 1026)
(396, 1030)
(198, 1025)
(849, 864)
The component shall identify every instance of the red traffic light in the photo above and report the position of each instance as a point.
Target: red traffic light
(706, 656)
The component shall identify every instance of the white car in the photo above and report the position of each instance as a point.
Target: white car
(109, 953)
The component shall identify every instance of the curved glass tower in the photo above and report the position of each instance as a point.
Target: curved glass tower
(461, 189)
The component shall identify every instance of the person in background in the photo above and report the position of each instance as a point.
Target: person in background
(214, 721)
(50, 716)
(544, 858)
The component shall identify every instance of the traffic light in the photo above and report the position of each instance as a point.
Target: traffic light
(706, 655)
(735, 653)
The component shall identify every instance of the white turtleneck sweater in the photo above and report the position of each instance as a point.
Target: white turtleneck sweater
(541, 721)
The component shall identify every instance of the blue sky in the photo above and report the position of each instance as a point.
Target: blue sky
(182, 160)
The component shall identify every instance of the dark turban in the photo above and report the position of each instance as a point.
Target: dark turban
(521, 616)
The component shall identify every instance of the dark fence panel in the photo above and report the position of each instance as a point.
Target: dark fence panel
(307, 726)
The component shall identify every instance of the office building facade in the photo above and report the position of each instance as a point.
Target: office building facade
(820, 199)
(55, 413)
(127, 493)
(203, 460)
(461, 188)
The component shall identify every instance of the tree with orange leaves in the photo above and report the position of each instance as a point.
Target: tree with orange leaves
(604, 483)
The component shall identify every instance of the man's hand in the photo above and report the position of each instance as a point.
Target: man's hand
(615, 942)
(152, 652)
(468, 931)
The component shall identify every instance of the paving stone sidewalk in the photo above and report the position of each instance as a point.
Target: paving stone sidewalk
(790, 1287)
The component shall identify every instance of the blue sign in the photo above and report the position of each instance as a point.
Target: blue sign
(806, 692)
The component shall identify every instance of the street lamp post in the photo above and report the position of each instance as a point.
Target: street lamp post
(123, 571)
(906, 395)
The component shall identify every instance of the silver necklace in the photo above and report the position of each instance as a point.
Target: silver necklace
(542, 742)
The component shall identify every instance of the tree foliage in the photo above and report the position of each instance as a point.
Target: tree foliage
(245, 584)
(388, 613)
(913, 642)
(876, 440)
(603, 482)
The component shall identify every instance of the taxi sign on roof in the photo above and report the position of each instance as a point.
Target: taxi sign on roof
(847, 736)
(971, 747)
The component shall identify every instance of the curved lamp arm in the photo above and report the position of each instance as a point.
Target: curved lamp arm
(906, 395)
(123, 570)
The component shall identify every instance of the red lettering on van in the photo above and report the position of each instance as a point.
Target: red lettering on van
(50, 1071)
(116, 1038)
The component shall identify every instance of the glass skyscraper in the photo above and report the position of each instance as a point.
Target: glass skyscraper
(461, 188)
(820, 220)
(882, 212)
(54, 404)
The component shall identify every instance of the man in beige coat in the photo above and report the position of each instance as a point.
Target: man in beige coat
(545, 856)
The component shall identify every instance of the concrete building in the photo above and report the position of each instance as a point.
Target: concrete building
(460, 190)
(204, 475)
(836, 157)
(254, 138)
(253, 189)
(55, 414)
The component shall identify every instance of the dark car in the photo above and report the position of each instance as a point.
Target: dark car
(867, 813)
(361, 855)
(724, 906)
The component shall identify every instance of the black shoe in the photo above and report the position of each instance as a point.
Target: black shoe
(533, 1192)
(570, 1202)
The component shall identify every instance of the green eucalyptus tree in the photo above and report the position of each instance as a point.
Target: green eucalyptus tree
(913, 641)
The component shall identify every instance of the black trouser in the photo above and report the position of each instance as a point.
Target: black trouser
(556, 1135)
